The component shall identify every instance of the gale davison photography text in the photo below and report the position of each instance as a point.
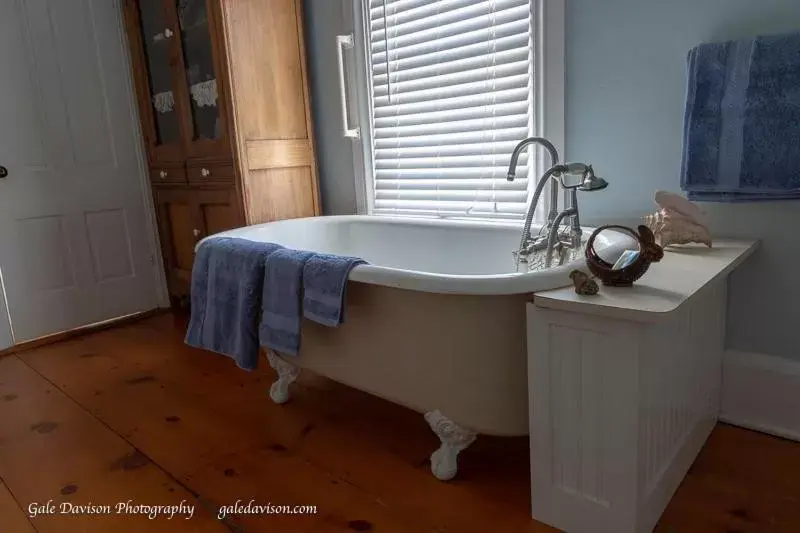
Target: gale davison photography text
(183, 510)
(129, 507)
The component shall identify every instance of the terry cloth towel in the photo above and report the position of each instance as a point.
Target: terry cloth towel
(281, 311)
(741, 139)
(227, 279)
(325, 285)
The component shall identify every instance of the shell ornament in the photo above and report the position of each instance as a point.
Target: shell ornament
(678, 221)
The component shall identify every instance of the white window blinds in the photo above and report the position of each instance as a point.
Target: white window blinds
(450, 100)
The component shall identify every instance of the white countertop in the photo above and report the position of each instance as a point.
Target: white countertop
(665, 286)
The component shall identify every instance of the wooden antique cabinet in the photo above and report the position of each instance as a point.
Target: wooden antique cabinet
(224, 106)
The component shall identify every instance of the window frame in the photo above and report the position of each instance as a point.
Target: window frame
(548, 85)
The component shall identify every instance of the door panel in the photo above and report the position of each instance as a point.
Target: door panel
(74, 244)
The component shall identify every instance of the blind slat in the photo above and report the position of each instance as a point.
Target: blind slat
(487, 75)
(459, 102)
(481, 87)
(440, 29)
(410, 10)
(485, 112)
(456, 161)
(498, 172)
(509, 121)
(502, 147)
(442, 57)
(441, 68)
(453, 195)
(476, 136)
(450, 100)
(414, 9)
(455, 207)
(402, 22)
(483, 35)
(521, 183)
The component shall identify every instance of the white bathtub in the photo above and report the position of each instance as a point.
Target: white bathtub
(417, 254)
(435, 322)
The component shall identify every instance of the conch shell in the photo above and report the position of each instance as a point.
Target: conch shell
(678, 221)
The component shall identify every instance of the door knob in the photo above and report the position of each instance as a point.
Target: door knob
(3, 172)
(162, 174)
(196, 232)
(168, 33)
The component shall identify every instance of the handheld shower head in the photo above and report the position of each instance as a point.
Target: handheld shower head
(588, 181)
(592, 182)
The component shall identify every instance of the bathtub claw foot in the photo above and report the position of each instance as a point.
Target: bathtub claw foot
(455, 439)
(279, 391)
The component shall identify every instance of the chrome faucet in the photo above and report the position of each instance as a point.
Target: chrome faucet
(547, 240)
(588, 183)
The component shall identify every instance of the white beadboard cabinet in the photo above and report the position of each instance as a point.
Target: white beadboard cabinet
(624, 390)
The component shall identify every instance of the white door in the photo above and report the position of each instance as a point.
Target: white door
(75, 246)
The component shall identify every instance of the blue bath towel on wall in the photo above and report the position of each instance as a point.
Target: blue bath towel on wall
(281, 312)
(742, 120)
(325, 285)
(227, 282)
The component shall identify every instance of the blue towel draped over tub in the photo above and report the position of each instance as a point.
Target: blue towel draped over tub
(742, 120)
(227, 281)
(325, 286)
(298, 284)
(281, 313)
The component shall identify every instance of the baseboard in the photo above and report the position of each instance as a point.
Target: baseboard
(761, 392)
(83, 330)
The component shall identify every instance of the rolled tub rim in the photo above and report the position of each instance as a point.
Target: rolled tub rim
(434, 282)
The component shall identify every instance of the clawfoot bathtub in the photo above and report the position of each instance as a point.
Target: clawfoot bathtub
(435, 322)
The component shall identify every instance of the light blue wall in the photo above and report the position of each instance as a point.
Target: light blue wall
(324, 19)
(625, 94)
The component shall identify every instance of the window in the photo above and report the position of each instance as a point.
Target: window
(452, 87)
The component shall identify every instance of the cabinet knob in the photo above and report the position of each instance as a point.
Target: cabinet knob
(196, 232)
(162, 174)
(205, 172)
(168, 33)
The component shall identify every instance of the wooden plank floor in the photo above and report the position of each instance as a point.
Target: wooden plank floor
(133, 414)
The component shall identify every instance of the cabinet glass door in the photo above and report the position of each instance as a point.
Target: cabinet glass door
(157, 41)
(196, 23)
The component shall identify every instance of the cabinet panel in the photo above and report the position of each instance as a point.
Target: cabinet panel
(181, 228)
(177, 225)
(217, 211)
(152, 38)
(282, 193)
(272, 113)
(202, 78)
(269, 86)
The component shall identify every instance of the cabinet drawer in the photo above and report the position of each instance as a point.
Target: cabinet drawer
(168, 175)
(211, 174)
